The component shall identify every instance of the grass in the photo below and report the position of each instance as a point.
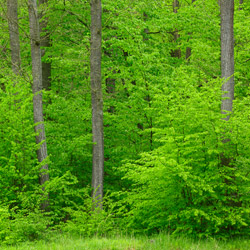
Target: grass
(160, 242)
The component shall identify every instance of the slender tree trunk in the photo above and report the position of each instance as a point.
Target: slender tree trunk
(37, 98)
(12, 7)
(227, 55)
(176, 5)
(227, 65)
(97, 102)
(45, 43)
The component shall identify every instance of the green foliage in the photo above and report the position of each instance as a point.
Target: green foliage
(5, 223)
(163, 130)
(182, 186)
(22, 226)
(18, 165)
(83, 219)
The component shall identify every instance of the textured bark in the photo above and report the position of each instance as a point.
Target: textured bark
(12, 7)
(37, 98)
(97, 102)
(227, 65)
(227, 55)
(45, 43)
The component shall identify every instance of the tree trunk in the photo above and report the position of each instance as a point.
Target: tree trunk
(241, 2)
(177, 52)
(227, 55)
(110, 89)
(45, 43)
(97, 102)
(176, 5)
(37, 98)
(12, 7)
(188, 49)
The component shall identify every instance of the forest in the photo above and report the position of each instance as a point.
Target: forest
(124, 116)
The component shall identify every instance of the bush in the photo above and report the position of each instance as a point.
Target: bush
(182, 185)
(86, 221)
(19, 227)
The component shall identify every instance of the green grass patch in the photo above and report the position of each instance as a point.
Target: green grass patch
(160, 242)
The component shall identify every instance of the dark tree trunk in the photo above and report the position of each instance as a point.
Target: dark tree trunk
(188, 49)
(177, 52)
(45, 43)
(37, 99)
(12, 7)
(97, 102)
(110, 89)
(188, 53)
(227, 55)
(241, 2)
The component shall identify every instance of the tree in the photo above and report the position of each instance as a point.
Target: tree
(177, 52)
(97, 102)
(227, 55)
(12, 7)
(37, 98)
(45, 43)
(188, 49)
(241, 2)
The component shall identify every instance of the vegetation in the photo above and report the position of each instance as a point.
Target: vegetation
(119, 242)
(163, 90)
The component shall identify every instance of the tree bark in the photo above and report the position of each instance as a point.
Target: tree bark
(227, 55)
(45, 43)
(12, 7)
(97, 103)
(37, 98)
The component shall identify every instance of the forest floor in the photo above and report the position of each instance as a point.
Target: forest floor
(160, 242)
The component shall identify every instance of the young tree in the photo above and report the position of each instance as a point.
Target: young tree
(37, 98)
(12, 7)
(227, 55)
(97, 102)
